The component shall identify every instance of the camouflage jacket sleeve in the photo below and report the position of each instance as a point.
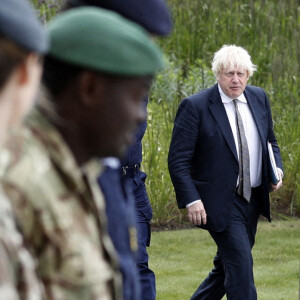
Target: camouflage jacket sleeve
(18, 278)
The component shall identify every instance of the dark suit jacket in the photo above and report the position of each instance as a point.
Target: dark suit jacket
(203, 162)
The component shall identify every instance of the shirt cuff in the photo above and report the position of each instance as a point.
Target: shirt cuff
(281, 172)
(190, 204)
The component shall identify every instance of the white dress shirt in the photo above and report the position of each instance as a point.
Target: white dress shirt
(251, 132)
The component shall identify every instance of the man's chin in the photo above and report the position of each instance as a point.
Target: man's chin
(118, 150)
(121, 151)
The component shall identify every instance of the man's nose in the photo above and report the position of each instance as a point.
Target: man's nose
(235, 77)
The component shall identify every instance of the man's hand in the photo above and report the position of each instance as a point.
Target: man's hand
(197, 213)
(279, 184)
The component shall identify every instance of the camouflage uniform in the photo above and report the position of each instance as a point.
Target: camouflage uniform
(62, 215)
(17, 274)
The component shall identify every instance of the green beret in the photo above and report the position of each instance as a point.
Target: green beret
(102, 40)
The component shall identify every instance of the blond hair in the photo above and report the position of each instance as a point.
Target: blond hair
(232, 56)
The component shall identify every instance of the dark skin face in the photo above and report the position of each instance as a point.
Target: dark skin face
(102, 114)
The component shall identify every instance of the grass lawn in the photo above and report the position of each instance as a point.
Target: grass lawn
(182, 259)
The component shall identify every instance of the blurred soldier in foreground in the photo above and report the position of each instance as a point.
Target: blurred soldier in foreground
(99, 69)
(22, 42)
(124, 186)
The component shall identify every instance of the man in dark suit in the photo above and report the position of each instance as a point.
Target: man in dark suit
(219, 168)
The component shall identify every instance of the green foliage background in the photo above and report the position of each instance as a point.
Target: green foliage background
(47, 9)
(270, 31)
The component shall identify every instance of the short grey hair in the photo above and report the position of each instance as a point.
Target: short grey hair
(232, 56)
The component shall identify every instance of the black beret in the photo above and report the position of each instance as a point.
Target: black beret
(19, 23)
(153, 15)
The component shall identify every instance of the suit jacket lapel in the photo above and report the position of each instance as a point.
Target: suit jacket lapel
(218, 111)
(259, 115)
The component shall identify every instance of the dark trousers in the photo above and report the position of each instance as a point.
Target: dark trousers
(233, 271)
(147, 276)
(143, 218)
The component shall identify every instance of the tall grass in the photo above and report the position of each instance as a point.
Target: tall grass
(269, 30)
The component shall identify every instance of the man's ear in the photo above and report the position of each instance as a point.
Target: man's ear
(22, 72)
(90, 88)
(24, 69)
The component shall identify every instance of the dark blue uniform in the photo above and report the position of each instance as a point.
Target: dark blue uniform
(135, 178)
(127, 208)
(120, 210)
